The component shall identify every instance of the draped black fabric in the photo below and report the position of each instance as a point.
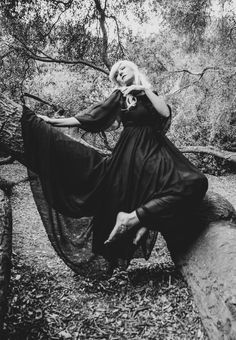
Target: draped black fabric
(145, 172)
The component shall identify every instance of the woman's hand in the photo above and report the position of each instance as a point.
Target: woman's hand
(121, 227)
(124, 223)
(131, 89)
(45, 118)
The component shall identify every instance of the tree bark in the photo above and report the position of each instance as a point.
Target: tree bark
(205, 257)
(208, 263)
(210, 150)
(5, 253)
(10, 129)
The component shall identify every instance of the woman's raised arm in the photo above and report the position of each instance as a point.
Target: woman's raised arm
(70, 121)
(158, 102)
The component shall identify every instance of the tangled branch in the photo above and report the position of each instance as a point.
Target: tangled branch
(200, 74)
(48, 59)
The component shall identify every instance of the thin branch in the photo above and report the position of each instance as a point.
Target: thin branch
(105, 5)
(32, 55)
(6, 160)
(201, 74)
(6, 54)
(25, 94)
(102, 19)
(183, 88)
(229, 156)
(54, 24)
(24, 75)
(66, 4)
(105, 140)
(101, 151)
(118, 32)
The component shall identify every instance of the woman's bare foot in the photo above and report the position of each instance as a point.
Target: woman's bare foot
(139, 235)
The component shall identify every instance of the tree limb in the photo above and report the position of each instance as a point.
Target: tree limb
(48, 59)
(210, 150)
(25, 94)
(227, 155)
(102, 19)
(54, 24)
(6, 54)
(6, 160)
(201, 74)
(118, 32)
(66, 4)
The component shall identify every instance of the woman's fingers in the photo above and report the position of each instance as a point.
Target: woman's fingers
(125, 222)
(45, 118)
(125, 91)
(140, 233)
(128, 89)
(118, 230)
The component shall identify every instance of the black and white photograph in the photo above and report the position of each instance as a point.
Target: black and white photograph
(118, 170)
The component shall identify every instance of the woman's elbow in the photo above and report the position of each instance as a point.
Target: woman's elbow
(164, 110)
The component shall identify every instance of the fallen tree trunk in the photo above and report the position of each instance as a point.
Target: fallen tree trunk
(206, 258)
(10, 135)
(10, 129)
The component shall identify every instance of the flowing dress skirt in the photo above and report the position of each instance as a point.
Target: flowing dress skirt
(145, 172)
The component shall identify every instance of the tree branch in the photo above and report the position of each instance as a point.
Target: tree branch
(54, 24)
(66, 4)
(25, 73)
(227, 155)
(118, 32)
(25, 94)
(102, 18)
(48, 59)
(210, 150)
(6, 160)
(201, 74)
(183, 88)
(6, 54)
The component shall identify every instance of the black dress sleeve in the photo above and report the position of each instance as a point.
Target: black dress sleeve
(158, 210)
(101, 115)
(176, 204)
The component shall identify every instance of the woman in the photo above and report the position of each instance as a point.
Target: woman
(145, 186)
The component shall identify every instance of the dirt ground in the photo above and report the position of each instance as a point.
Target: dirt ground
(48, 301)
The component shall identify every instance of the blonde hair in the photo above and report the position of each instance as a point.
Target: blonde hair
(139, 79)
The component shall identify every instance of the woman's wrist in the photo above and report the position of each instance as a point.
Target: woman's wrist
(147, 90)
(133, 219)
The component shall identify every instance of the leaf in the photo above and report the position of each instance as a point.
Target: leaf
(38, 314)
(65, 335)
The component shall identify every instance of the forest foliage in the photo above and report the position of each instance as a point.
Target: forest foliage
(61, 51)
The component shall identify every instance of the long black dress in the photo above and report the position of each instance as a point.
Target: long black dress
(145, 172)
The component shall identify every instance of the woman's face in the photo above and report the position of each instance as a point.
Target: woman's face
(125, 75)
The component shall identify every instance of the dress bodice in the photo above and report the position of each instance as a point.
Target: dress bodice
(142, 114)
